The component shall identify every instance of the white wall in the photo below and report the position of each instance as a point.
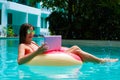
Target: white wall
(21, 14)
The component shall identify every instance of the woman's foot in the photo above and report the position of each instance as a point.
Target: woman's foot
(108, 60)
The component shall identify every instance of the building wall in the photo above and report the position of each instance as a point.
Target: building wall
(19, 14)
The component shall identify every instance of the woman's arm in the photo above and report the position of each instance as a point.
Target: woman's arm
(22, 58)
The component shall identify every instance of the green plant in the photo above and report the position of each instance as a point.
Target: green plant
(10, 32)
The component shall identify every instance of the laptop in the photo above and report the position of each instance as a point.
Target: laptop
(53, 42)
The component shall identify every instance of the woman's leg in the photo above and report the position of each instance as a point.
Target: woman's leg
(87, 57)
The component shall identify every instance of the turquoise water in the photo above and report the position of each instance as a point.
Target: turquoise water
(10, 70)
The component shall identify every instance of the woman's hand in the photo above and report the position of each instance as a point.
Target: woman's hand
(42, 49)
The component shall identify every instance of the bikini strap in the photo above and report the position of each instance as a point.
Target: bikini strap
(35, 43)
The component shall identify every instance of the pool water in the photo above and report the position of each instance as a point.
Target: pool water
(10, 70)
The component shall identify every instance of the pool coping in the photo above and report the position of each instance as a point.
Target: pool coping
(81, 42)
(92, 42)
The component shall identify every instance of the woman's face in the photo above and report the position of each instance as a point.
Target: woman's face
(30, 34)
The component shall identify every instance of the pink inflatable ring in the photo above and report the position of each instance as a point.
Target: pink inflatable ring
(56, 58)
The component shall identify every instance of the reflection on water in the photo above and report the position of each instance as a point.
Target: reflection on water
(8, 65)
(3, 50)
(49, 72)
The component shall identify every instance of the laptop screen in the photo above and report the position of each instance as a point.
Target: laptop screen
(53, 42)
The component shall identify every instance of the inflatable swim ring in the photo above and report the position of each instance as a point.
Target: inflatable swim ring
(56, 58)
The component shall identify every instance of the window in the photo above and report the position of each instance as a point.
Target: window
(45, 23)
(9, 18)
(42, 22)
(0, 16)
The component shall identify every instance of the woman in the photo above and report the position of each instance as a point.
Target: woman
(28, 49)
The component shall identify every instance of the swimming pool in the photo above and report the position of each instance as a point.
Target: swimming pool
(10, 70)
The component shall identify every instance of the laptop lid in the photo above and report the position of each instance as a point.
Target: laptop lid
(53, 42)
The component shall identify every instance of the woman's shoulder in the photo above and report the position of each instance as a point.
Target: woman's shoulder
(21, 45)
(24, 45)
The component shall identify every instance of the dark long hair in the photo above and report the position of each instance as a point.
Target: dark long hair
(23, 32)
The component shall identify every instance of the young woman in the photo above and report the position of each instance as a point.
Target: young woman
(28, 49)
